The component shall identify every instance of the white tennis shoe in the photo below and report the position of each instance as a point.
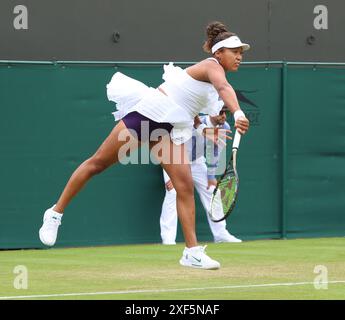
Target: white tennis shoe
(196, 257)
(49, 230)
(226, 237)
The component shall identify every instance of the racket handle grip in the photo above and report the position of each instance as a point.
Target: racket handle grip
(237, 139)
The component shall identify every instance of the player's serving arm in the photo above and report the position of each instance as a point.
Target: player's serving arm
(171, 109)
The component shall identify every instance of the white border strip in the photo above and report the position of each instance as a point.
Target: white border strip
(166, 290)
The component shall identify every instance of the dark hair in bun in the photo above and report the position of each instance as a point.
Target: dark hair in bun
(216, 31)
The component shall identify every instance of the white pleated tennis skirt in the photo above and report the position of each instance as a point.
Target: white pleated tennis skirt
(132, 95)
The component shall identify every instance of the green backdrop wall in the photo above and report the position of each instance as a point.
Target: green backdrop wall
(55, 115)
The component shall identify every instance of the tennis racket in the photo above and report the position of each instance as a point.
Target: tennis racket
(225, 193)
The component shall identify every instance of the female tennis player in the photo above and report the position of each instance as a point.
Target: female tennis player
(171, 108)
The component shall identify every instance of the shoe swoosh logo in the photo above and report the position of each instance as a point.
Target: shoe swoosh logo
(199, 260)
(197, 265)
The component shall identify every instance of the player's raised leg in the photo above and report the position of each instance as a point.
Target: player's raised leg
(105, 156)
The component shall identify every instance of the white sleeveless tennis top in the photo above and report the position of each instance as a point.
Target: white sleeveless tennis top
(186, 98)
(192, 95)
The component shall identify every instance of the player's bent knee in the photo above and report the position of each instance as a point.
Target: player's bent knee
(185, 189)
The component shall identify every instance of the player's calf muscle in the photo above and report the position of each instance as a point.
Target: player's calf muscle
(95, 165)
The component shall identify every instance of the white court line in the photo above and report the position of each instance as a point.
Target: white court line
(167, 290)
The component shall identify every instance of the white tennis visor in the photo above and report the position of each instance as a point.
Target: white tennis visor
(231, 42)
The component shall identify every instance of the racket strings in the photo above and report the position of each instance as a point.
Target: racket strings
(225, 194)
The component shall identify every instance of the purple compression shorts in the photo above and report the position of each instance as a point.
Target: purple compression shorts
(135, 121)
